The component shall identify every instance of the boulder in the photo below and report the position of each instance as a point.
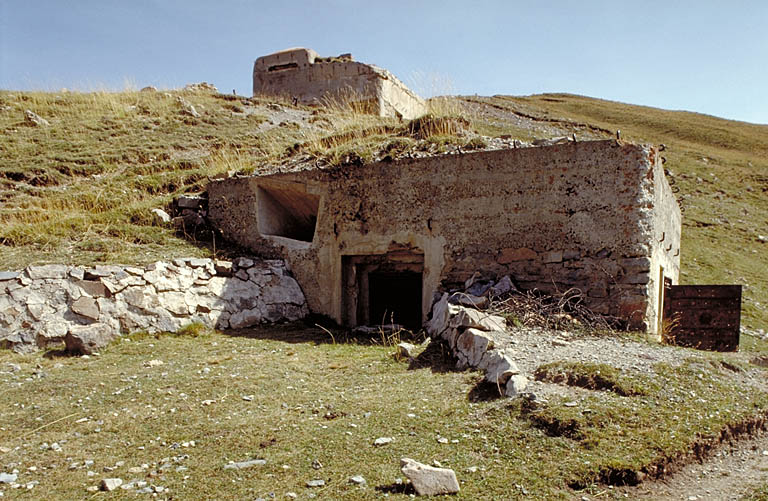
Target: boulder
(8, 275)
(466, 299)
(110, 484)
(187, 108)
(47, 271)
(87, 307)
(34, 119)
(467, 317)
(441, 315)
(516, 384)
(405, 351)
(498, 367)
(502, 287)
(471, 345)
(161, 217)
(88, 339)
(428, 480)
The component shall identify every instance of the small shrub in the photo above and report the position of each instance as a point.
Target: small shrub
(195, 329)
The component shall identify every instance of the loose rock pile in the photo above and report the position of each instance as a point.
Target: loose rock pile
(88, 307)
(472, 336)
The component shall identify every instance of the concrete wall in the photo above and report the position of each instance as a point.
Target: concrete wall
(586, 215)
(299, 73)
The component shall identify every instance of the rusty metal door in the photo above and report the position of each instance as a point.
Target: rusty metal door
(707, 317)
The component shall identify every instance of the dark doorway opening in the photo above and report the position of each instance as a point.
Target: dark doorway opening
(379, 289)
(395, 297)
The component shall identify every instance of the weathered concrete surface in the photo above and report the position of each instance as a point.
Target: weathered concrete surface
(302, 74)
(586, 215)
(88, 307)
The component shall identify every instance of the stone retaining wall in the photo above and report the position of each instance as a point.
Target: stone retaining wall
(45, 305)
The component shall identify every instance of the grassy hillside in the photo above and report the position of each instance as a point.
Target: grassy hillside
(81, 189)
(170, 411)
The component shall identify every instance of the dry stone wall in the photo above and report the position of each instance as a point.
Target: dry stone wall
(87, 307)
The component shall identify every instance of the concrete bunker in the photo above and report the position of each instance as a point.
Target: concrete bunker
(301, 74)
(597, 216)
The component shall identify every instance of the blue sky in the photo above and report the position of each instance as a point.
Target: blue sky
(706, 56)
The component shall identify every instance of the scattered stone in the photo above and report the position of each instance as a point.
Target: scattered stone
(161, 217)
(47, 271)
(405, 351)
(110, 484)
(245, 464)
(153, 363)
(187, 108)
(34, 119)
(466, 299)
(571, 404)
(502, 287)
(201, 87)
(428, 480)
(87, 307)
(516, 385)
(357, 479)
(315, 483)
(7, 478)
(88, 339)
(383, 441)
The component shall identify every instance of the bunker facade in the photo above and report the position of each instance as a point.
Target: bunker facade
(598, 216)
(300, 73)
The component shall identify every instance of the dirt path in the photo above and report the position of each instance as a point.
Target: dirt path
(726, 475)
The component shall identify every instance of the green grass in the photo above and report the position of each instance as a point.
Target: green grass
(310, 399)
(757, 494)
(591, 376)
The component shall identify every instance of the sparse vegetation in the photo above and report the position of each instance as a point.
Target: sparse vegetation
(288, 395)
(591, 376)
(81, 190)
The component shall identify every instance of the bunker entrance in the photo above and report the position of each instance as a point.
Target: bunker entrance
(383, 288)
(395, 297)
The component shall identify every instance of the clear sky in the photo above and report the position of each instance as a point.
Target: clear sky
(707, 56)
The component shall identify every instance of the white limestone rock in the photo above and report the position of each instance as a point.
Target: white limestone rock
(87, 307)
(498, 367)
(428, 480)
(516, 385)
(88, 339)
(471, 345)
(467, 317)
